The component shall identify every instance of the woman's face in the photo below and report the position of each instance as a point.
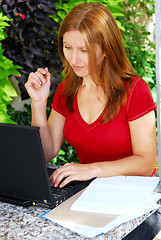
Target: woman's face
(76, 54)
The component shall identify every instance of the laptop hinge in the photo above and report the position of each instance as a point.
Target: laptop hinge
(16, 201)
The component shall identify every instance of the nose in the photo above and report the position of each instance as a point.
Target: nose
(74, 57)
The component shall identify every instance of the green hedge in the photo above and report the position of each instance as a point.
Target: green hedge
(129, 16)
(7, 68)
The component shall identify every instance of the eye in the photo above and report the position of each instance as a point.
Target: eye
(84, 50)
(67, 47)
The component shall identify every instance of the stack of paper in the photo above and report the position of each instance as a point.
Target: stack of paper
(106, 203)
(117, 195)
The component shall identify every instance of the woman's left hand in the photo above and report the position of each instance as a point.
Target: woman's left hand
(71, 172)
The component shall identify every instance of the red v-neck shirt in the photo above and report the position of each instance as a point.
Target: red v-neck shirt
(97, 142)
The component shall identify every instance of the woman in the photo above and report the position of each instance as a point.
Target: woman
(101, 108)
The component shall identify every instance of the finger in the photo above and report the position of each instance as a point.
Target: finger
(48, 75)
(32, 77)
(51, 180)
(33, 82)
(59, 178)
(63, 173)
(67, 180)
(47, 70)
(41, 70)
(41, 77)
(60, 173)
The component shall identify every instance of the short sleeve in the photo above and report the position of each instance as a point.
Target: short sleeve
(140, 100)
(59, 100)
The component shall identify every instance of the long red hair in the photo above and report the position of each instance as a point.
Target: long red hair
(98, 26)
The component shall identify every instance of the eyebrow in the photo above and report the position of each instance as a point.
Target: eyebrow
(65, 42)
(69, 44)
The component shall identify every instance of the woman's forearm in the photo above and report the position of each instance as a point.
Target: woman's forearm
(129, 166)
(39, 119)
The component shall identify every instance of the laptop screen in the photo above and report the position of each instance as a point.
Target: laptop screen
(23, 173)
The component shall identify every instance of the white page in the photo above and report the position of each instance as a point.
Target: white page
(116, 195)
(90, 231)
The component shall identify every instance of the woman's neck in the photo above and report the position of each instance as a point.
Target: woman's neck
(88, 83)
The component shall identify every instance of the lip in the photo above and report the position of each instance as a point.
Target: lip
(77, 67)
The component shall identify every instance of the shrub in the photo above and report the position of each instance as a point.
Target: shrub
(140, 50)
(7, 68)
(32, 38)
(63, 7)
(31, 22)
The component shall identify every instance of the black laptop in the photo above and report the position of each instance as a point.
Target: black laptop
(24, 175)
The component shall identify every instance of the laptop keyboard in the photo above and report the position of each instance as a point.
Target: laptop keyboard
(61, 194)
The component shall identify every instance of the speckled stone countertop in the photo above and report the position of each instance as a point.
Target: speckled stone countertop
(18, 223)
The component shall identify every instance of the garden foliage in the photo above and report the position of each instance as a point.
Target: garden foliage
(7, 68)
(140, 49)
(32, 38)
(32, 43)
(63, 7)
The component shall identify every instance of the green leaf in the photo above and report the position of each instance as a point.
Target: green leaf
(3, 24)
(53, 161)
(7, 99)
(120, 25)
(9, 90)
(18, 67)
(62, 158)
(54, 17)
(61, 152)
(13, 72)
(61, 14)
(4, 18)
(3, 35)
(5, 118)
(3, 73)
(3, 107)
(5, 63)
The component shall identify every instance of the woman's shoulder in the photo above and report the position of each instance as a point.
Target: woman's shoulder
(140, 100)
(59, 100)
(61, 85)
(139, 84)
(60, 88)
(136, 83)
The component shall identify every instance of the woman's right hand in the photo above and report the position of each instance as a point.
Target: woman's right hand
(38, 85)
